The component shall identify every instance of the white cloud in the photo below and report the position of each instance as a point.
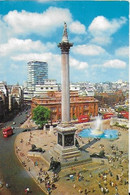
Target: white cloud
(48, 57)
(89, 50)
(3, 31)
(45, 23)
(114, 64)
(122, 52)
(77, 27)
(102, 29)
(52, 59)
(15, 46)
(77, 39)
(102, 40)
(77, 64)
(25, 23)
(19, 45)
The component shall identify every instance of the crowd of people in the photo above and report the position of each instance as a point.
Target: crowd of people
(49, 181)
(107, 181)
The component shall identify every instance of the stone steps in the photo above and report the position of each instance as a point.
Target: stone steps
(71, 156)
(69, 150)
(70, 153)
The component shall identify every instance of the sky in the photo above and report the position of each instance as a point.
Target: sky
(31, 30)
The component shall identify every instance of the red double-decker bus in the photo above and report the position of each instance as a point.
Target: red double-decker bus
(83, 118)
(108, 115)
(125, 114)
(7, 132)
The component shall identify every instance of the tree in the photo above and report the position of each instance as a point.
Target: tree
(41, 115)
(74, 117)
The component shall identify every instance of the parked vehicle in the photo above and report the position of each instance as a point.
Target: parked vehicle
(83, 118)
(124, 114)
(108, 115)
(7, 132)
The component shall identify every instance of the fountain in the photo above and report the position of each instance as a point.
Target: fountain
(98, 132)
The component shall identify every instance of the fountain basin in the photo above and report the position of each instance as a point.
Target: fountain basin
(97, 131)
(105, 134)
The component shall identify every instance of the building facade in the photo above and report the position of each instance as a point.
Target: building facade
(37, 72)
(78, 105)
(16, 100)
(49, 85)
(4, 102)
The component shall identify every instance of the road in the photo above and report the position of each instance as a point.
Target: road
(10, 168)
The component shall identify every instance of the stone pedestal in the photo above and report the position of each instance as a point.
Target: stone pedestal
(65, 150)
(51, 130)
(44, 128)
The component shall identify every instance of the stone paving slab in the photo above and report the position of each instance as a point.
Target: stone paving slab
(65, 185)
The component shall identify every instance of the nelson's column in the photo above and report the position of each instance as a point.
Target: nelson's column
(65, 150)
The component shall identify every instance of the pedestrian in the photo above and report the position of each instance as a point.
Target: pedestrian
(48, 190)
(102, 189)
(80, 190)
(105, 182)
(7, 185)
(86, 191)
(53, 186)
(116, 188)
(99, 184)
(112, 184)
(25, 190)
(117, 177)
(93, 190)
(28, 190)
(111, 174)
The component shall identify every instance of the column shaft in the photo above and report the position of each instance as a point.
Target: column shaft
(65, 88)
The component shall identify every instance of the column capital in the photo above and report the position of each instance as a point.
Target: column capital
(65, 47)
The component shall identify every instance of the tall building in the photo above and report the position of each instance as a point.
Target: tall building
(37, 72)
(4, 100)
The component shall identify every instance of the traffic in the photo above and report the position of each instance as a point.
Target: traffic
(11, 171)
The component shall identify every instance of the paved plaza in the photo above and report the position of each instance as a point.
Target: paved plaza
(90, 178)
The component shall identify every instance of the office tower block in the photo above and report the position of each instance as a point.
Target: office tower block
(37, 72)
